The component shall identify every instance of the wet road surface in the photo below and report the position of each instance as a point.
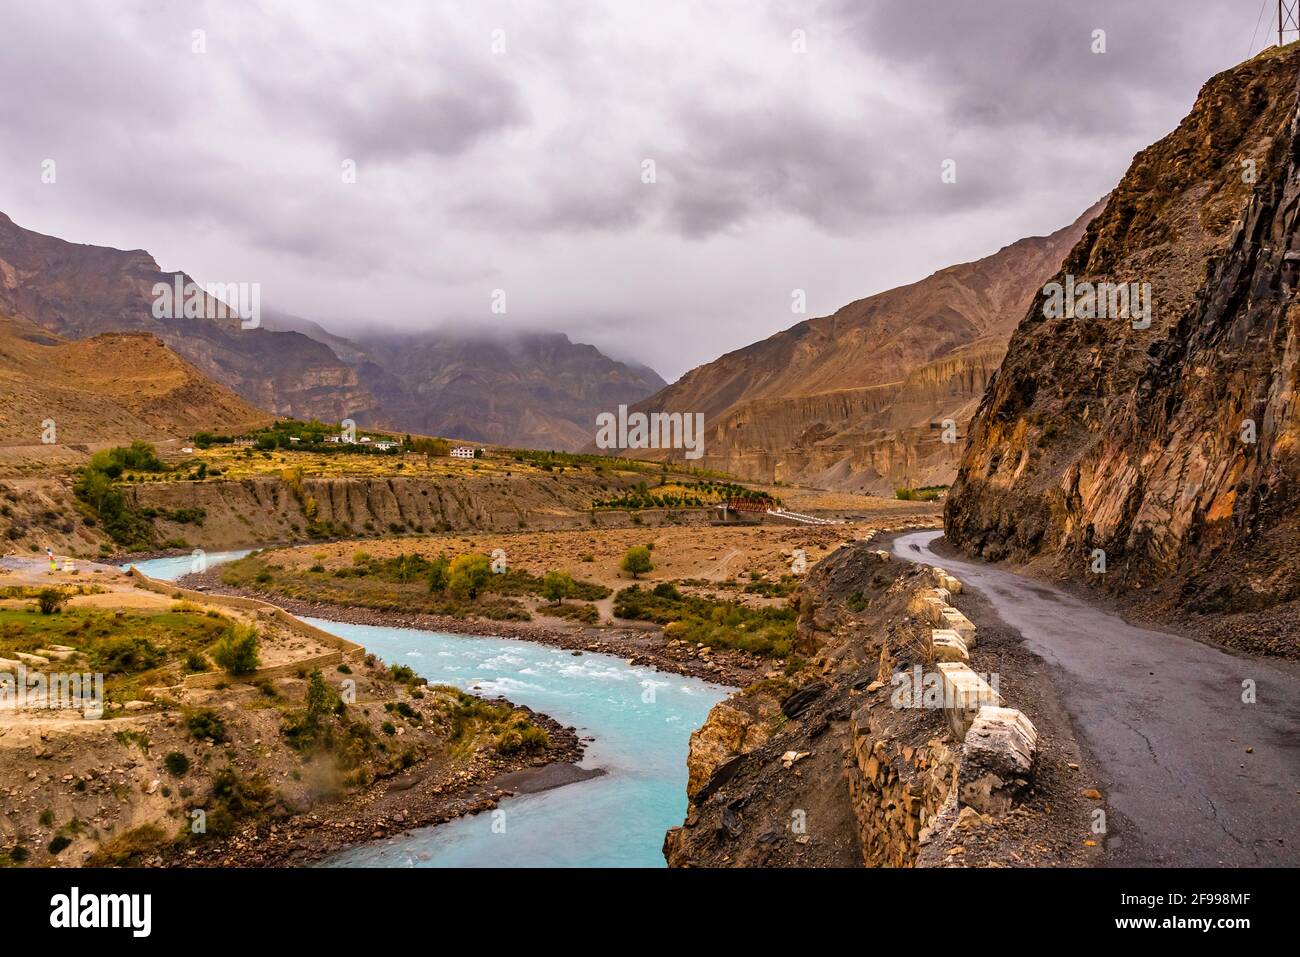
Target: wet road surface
(1164, 717)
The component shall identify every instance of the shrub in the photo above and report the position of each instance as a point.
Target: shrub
(59, 843)
(523, 740)
(130, 848)
(176, 763)
(637, 561)
(667, 590)
(236, 652)
(234, 798)
(404, 674)
(206, 725)
(438, 575)
(50, 600)
(127, 654)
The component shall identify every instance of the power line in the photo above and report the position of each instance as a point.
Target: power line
(1258, 20)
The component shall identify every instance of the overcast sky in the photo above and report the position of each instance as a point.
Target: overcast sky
(796, 145)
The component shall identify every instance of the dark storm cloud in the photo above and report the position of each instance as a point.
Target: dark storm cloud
(371, 108)
(833, 174)
(1014, 63)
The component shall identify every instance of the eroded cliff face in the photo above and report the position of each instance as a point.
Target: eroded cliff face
(265, 510)
(36, 513)
(1172, 448)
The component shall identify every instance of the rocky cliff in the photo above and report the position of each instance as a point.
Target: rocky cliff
(842, 760)
(856, 400)
(36, 513)
(1161, 460)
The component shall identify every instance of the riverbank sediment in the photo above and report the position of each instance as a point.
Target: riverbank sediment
(425, 795)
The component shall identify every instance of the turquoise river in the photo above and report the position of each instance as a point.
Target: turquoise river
(640, 719)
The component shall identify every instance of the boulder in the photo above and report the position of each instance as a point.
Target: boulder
(997, 760)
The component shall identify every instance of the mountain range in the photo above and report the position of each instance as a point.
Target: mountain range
(519, 389)
(855, 400)
(858, 399)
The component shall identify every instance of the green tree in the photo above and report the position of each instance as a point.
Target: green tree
(237, 651)
(468, 575)
(637, 561)
(431, 448)
(438, 575)
(321, 698)
(557, 586)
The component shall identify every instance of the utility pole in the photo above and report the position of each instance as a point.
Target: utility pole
(1288, 19)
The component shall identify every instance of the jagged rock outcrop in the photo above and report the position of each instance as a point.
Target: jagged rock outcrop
(1172, 448)
(856, 400)
(734, 728)
(852, 758)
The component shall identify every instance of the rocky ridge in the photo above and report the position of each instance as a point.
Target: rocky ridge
(1167, 455)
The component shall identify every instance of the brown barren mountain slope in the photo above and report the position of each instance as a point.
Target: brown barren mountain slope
(79, 291)
(1097, 435)
(533, 390)
(115, 387)
(856, 400)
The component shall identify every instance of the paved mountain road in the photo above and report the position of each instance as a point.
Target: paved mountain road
(1165, 719)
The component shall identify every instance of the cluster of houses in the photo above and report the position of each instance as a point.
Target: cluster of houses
(383, 445)
(343, 438)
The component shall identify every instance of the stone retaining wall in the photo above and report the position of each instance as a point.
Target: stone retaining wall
(903, 793)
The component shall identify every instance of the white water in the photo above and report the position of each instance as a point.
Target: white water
(641, 720)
